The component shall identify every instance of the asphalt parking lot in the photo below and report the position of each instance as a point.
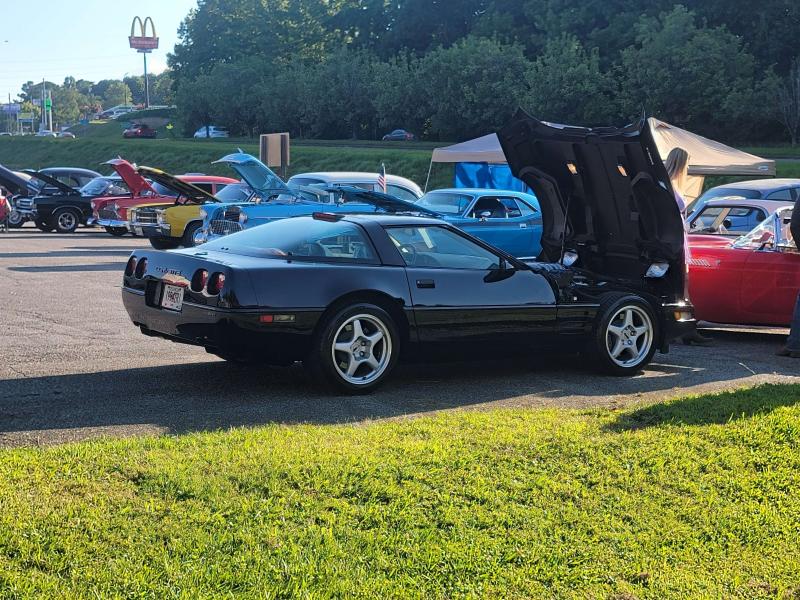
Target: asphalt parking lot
(72, 367)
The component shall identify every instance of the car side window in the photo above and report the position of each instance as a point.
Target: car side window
(489, 207)
(206, 187)
(401, 192)
(438, 247)
(781, 195)
(516, 208)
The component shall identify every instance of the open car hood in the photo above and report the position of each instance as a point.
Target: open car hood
(604, 194)
(255, 173)
(187, 190)
(136, 183)
(381, 201)
(53, 182)
(14, 183)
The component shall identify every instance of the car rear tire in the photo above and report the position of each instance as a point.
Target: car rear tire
(65, 220)
(625, 335)
(164, 244)
(354, 350)
(116, 231)
(189, 233)
(43, 226)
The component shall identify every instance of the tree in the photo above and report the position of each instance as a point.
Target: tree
(116, 93)
(693, 76)
(566, 85)
(472, 87)
(789, 101)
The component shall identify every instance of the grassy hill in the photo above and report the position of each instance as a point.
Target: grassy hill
(100, 142)
(696, 498)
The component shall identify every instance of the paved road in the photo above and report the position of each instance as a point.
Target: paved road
(74, 368)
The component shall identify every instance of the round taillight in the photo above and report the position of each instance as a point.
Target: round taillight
(216, 283)
(199, 280)
(130, 266)
(141, 267)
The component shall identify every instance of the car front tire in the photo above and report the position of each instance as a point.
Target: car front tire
(43, 226)
(65, 220)
(355, 350)
(116, 231)
(15, 219)
(189, 233)
(625, 335)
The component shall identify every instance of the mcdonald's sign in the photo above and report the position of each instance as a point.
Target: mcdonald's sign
(143, 42)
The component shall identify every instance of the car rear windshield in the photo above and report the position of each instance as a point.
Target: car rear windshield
(163, 191)
(236, 192)
(302, 238)
(105, 185)
(449, 203)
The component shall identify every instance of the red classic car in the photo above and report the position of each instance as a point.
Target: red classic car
(753, 280)
(112, 212)
(139, 130)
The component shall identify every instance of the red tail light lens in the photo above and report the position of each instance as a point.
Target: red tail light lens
(141, 268)
(199, 280)
(130, 266)
(216, 283)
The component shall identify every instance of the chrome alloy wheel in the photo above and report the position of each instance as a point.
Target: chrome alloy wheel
(629, 336)
(362, 349)
(67, 220)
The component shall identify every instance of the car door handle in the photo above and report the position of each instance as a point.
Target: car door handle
(426, 284)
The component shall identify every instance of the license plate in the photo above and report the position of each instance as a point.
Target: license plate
(138, 231)
(172, 298)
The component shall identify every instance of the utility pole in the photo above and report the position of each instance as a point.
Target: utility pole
(42, 121)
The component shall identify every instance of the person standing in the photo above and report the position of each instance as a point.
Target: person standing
(792, 347)
(677, 165)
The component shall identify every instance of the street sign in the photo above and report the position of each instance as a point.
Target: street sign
(10, 109)
(37, 101)
(25, 116)
(48, 104)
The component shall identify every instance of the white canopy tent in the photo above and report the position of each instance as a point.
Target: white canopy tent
(706, 157)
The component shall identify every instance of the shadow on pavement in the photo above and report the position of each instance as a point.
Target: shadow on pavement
(115, 266)
(709, 410)
(66, 254)
(217, 395)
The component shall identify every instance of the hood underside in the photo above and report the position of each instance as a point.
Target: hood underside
(14, 183)
(255, 173)
(604, 194)
(63, 188)
(135, 182)
(183, 188)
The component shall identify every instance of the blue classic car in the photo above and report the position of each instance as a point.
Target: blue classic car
(510, 220)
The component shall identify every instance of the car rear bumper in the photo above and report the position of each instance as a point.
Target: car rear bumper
(238, 332)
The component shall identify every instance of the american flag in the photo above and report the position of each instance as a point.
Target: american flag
(382, 178)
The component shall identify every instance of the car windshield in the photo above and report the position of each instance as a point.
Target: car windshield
(763, 236)
(100, 186)
(301, 238)
(236, 192)
(449, 203)
(163, 190)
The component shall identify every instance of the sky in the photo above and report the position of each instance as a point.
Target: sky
(87, 39)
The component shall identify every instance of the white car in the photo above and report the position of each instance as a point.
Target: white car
(211, 131)
(396, 186)
(45, 133)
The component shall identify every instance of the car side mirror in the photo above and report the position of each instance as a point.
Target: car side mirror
(485, 214)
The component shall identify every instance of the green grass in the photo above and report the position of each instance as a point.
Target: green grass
(778, 151)
(694, 498)
(181, 156)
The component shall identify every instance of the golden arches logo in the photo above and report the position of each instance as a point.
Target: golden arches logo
(143, 41)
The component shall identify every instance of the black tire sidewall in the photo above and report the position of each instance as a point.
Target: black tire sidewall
(43, 226)
(116, 231)
(320, 361)
(162, 244)
(608, 308)
(188, 234)
(61, 211)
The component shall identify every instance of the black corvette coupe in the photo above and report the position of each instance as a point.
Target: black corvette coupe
(349, 294)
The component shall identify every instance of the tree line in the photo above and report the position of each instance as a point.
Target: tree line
(452, 70)
(77, 99)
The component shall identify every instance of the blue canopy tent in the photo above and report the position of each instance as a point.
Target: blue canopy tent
(480, 163)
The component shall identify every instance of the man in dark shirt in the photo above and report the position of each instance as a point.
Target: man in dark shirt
(792, 347)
